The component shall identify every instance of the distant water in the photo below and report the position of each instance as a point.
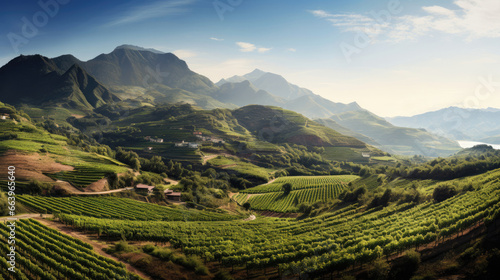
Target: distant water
(469, 144)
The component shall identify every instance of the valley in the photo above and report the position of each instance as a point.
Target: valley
(249, 178)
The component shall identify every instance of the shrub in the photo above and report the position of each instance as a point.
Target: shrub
(223, 275)
(148, 248)
(406, 266)
(443, 192)
(246, 205)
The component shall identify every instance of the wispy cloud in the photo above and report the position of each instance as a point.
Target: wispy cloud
(246, 47)
(263, 50)
(153, 10)
(249, 47)
(183, 54)
(471, 19)
(216, 39)
(291, 50)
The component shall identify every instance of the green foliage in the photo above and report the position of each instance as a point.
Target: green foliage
(37, 187)
(246, 205)
(286, 194)
(191, 262)
(353, 196)
(332, 241)
(43, 247)
(443, 192)
(287, 188)
(302, 182)
(406, 266)
(121, 247)
(82, 176)
(471, 162)
(4, 210)
(223, 275)
(117, 208)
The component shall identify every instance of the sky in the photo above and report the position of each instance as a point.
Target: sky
(394, 58)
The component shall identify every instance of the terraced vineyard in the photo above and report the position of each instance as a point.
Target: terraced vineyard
(117, 208)
(330, 242)
(309, 189)
(44, 253)
(21, 186)
(302, 182)
(278, 202)
(80, 177)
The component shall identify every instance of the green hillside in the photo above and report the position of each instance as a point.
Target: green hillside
(398, 140)
(117, 208)
(20, 136)
(332, 242)
(304, 189)
(277, 125)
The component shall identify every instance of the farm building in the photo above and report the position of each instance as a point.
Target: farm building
(171, 195)
(191, 145)
(180, 144)
(365, 155)
(197, 133)
(146, 188)
(4, 116)
(156, 140)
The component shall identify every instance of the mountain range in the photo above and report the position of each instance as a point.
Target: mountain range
(132, 77)
(38, 80)
(458, 123)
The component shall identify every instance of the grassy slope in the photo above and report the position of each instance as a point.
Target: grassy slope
(240, 166)
(32, 139)
(305, 189)
(278, 125)
(396, 139)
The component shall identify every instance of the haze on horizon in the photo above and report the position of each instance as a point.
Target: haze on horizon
(392, 57)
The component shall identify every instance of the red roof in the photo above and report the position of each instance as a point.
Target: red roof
(174, 194)
(143, 186)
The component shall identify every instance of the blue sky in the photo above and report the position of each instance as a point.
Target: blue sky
(392, 57)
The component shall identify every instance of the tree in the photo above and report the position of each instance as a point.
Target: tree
(386, 197)
(405, 267)
(287, 188)
(136, 165)
(246, 205)
(210, 173)
(443, 192)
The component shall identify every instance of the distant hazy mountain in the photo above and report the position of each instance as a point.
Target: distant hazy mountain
(272, 83)
(337, 127)
(137, 48)
(400, 140)
(457, 123)
(37, 80)
(244, 93)
(134, 66)
(315, 106)
(286, 95)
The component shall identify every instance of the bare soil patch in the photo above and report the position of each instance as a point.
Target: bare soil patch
(98, 186)
(31, 166)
